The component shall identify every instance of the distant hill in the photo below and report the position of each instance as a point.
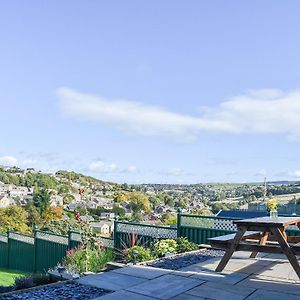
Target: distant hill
(30, 177)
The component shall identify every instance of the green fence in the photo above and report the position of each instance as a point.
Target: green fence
(125, 234)
(45, 250)
(199, 229)
(40, 252)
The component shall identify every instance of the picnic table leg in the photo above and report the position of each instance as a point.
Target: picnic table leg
(230, 251)
(262, 241)
(286, 249)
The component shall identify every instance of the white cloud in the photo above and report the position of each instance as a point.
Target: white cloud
(177, 172)
(100, 166)
(29, 162)
(295, 174)
(8, 161)
(131, 169)
(258, 111)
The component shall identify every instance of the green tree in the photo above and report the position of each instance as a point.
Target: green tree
(68, 198)
(154, 201)
(34, 217)
(41, 200)
(119, 211)
(139, 202)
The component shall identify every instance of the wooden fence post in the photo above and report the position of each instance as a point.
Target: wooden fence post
(179, 213)
(115, 232)
(35, 230)
(69, 238)
(8, 249)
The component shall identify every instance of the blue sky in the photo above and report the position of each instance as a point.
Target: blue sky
(152, 91)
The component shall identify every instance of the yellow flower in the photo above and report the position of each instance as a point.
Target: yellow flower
(272, 204)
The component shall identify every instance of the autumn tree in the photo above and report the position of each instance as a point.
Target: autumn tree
(139, 202)
(14, 218)
(53, 213)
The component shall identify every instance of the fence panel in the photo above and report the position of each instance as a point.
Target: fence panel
(106, 241)
(199, 229)
(50, 249)
(144, 235)
(74, 239)
(3, 251)
(20, 252)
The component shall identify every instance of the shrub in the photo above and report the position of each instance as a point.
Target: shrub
(184, 245)
(165, 246)
(23, 283)
(93, 260)
(143, 254)
(41, 279)
(32, 280)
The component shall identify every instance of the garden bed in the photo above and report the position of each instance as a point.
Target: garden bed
(179, 261)
(61, 291)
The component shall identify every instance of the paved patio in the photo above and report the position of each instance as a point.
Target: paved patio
(266, 277)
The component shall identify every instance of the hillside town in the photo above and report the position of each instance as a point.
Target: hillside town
(100, 202)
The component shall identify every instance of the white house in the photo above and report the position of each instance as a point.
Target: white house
(4, 201)
(108, 215)
(103, 227)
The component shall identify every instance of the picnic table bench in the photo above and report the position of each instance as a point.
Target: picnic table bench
(260, 235)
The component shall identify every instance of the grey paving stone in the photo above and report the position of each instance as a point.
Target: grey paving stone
(220, 291)
(187, 297)
(181, 273)
(111, 281)
(165, 287)
(121, 295)
(246, 254)
(243, 265)
(142, 271)
(272, 295)
(224, 277)
(271, 284)
(280, 270)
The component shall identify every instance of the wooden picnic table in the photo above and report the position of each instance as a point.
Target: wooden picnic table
(263, 233)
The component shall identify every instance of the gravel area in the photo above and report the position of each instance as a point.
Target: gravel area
(186, 259)
(63, 291)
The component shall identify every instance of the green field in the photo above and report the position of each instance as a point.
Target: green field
(7, 277)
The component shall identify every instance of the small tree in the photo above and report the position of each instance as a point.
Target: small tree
(41, 200)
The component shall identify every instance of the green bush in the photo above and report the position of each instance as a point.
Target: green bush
(41, 279)
(165, 246)
(184, 245)
(83, 260)
(142, 254)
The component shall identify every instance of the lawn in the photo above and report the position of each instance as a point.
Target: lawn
(7, 277)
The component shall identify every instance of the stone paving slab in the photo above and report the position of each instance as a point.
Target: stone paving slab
(246, 254)
(224, 277)
(181, 273)
(111, 281)
(166, 287)
(282, 271)
(272, 295)
(221, 291)
(271, 284)
(187, 297)
(241, 265)
(142, 271)
(122, 295)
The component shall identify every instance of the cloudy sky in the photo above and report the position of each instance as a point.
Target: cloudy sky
(152, 91)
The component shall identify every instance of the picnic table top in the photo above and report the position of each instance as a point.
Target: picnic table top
(267, 221)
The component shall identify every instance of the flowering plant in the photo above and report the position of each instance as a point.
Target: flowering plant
(272, 204)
